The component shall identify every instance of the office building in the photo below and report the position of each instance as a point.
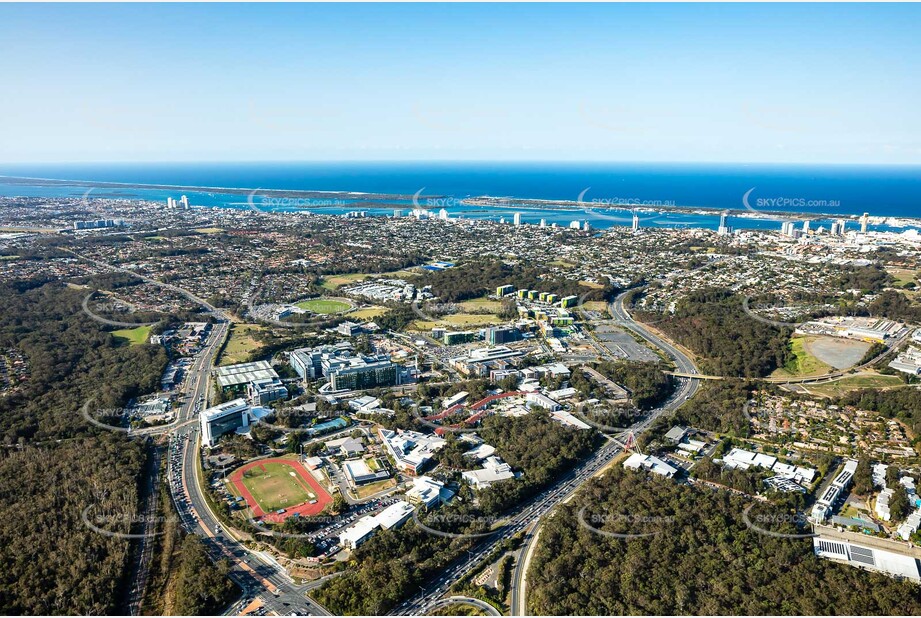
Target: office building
(308, 363)
(575, 225)
(261, 392)
(411, 450)
(517, 219)
(184, 201)
(864, 222)
(805, 228)
(428, 492)
(496, 335)
(636, 222)
(788, 228)
(493, 471)
(457, 337)
(222, 419)
(360, 372)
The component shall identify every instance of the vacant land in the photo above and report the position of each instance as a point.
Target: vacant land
(458, 320)
(802, 362)
(481, 304)
(902, 275)
(240, 344)
(334, 282)
(208, 230)
(845, 385)
(837, 352)
(134, 336)
(324, 305)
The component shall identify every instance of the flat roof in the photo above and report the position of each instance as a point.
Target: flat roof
(233, 375)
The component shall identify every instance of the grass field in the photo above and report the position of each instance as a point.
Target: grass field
(368, 313)
(457, 320)
(902, 275)
(209, 230)
(324, 305)
(481, 304)
(240, 344)
(134, 336)
(276, 486)
(8, 257)
(334, 282)
(802, 363)
(845, 385)
(370, 489)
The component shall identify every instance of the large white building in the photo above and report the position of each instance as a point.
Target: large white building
(222, 419)
(493, 470)
(410, 450)
(393, 516)
(874, 558)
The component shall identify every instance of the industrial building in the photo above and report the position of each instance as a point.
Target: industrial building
(257, 380)
(883, 557)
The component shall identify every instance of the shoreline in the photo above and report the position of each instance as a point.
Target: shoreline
(358, 199)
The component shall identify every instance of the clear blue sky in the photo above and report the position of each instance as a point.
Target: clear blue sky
(739, 83)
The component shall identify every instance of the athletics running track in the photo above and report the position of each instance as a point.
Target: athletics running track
(305, 509)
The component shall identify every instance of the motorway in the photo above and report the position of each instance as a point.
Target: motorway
(527, 518)
(255, 573)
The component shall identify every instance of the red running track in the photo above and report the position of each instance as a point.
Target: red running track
(305, 509)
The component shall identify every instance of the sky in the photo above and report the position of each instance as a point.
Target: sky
(556, 82)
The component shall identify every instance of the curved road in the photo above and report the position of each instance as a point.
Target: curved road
(527, 518)
(254, 572)
(687, 388)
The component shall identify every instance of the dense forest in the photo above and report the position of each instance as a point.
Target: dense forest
(714, 325)
(700, 558)
(718, 406)
(476, 278)
(393, 564)
(53, 465)
(648, 384)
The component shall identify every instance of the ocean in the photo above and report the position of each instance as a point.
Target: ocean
(600, 191)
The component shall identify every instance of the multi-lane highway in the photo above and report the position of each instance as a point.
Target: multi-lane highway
(254, 572)
(527, 518)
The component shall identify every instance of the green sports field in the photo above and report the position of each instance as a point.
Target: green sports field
(324, 305)
(276, 486)
(134, 336)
